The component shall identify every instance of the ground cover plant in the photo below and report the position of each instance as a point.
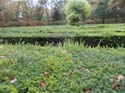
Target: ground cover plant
(61, 69)
(104, 30)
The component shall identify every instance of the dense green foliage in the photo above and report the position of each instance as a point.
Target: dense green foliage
(76, 11)
(67, 69)
(101, 10)
(64, 31)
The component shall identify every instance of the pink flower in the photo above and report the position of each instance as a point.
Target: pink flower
(120, 77)
(41, 84)
(13, 81)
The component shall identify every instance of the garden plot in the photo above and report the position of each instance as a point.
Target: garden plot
(67, 69)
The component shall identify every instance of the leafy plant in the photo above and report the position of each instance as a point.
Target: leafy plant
(77, 11)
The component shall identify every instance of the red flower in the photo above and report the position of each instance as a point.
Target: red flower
(41, 84)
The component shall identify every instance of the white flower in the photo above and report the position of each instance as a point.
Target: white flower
(120, 77)
(87, 70)
(13, 81)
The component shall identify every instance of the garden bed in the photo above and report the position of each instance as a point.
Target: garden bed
(67, 69)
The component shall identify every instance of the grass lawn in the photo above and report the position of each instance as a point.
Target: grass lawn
(67, 69)
(64, 31)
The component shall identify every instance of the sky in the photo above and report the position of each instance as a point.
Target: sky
(35, 1)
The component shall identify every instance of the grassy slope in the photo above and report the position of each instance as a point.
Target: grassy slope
(71, 69)
(64, 31)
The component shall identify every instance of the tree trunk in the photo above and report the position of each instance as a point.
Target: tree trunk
(116, 19)
(103, 20)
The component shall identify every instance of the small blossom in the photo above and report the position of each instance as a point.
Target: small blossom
(83, 69)
(87, 70)
(13, 81)
(41, 84)
(120, 77)
(64, 51)
(46, 74)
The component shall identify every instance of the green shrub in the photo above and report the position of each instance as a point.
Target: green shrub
(77, 11)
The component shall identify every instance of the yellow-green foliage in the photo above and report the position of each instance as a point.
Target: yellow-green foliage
(77, 10)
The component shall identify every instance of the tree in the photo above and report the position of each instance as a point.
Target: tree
(117, 8)
(3, 9)
(44, 9)
(24, 8)
(94, 5)
(77, 11)
(114, 3)
(101, 10)
(30, 4)
(57, 11)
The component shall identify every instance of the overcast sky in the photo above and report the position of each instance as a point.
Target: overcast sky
(35, 0)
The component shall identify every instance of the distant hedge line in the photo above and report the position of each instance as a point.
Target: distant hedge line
(39, 23)
(29, 23)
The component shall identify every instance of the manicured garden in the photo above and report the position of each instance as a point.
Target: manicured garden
(61, 69)
(57, 46)
(111, 35)
(64, 31)
(68, 67)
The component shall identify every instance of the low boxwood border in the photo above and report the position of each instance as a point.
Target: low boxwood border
(93, 41)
